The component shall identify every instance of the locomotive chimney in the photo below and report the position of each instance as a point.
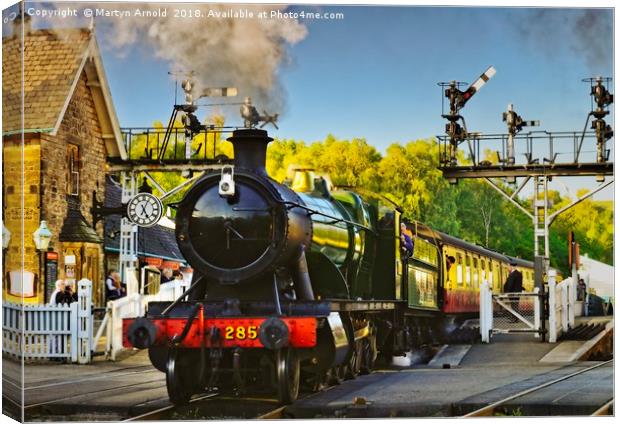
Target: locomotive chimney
(250, 147)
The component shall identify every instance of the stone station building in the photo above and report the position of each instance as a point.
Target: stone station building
(67, 131)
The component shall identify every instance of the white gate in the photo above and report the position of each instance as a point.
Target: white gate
(132, 306)
(520, 312)
(508, 313)
(45, 331)
(561, 306)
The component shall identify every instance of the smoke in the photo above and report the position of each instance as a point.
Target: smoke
(585, 32)
(246, 53)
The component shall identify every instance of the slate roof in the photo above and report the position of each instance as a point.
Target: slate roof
(156, 241)
(75, 228)
(51, 61)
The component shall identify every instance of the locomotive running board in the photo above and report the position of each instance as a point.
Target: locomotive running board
(299, 308)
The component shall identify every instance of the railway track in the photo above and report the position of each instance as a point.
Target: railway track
(511, 402)
(215, 406)
(63, 397)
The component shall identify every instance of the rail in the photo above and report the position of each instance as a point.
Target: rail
(489, 410)
(163, 145)
(211, 404)
(559, 144)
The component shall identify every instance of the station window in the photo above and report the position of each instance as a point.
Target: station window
(73, 170)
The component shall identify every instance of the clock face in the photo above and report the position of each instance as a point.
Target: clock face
(144, 210)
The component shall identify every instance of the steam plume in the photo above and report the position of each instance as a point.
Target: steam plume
(223, 52)
(587, 32)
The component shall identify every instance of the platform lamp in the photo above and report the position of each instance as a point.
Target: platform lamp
(42, 237)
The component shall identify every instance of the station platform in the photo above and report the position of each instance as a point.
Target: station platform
(463, 378)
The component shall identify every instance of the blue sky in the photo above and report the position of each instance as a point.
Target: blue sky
(374, 73)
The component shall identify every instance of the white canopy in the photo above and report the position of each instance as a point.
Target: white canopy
(601, 276)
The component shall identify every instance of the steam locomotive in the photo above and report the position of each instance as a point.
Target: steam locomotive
(301, 284)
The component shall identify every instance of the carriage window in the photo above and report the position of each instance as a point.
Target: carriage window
(468, 271)
(425, 251)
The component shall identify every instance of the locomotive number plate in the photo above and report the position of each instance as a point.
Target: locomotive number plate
(241, 332)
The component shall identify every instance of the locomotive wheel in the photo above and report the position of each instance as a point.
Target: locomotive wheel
(180, 380)
(159, 357)
(287, 373)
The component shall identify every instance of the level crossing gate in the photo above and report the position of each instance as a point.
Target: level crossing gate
(547, 314)
(508, 313)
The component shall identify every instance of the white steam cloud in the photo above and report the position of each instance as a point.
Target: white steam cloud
(222, 52)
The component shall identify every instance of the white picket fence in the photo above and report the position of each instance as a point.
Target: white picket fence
(132, 306)
(43, 331)
(66, 331)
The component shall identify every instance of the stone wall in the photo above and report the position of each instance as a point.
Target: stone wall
(80, 127)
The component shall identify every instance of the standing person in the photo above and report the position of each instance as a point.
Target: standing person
(112, 291)
(581, 290)
(514, 284)
(55, 341)
(60, 287)
(118, 283)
